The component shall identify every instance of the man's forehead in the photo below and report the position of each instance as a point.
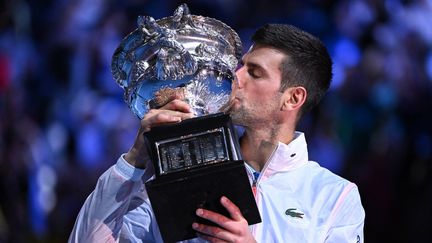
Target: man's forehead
(247, 53)
(253, 49)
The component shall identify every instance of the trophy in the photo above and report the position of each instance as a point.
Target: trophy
(197, 160)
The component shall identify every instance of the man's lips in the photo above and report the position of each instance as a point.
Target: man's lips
(236, 98)
(230, 104)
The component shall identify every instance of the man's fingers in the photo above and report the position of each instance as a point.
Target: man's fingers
(165, 118)
(209, 238)
(158, 117)
(177, 105)
(220, 219)
(211, 233)
(214, 217)
(155, 117)
(233, 210)
(233, 229)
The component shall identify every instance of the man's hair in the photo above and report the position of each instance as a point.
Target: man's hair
(307, 64)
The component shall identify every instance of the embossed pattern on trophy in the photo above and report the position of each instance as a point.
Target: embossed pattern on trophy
(194, 56)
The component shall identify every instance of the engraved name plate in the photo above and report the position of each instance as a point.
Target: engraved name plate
(192, 150)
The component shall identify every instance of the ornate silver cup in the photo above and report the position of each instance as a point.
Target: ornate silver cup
(190, 56)
(198, 160)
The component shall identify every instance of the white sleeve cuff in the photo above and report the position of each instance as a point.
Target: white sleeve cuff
(128, 171)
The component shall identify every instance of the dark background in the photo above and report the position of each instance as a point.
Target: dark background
(63, 121)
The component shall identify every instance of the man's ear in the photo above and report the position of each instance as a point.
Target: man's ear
(293, 98)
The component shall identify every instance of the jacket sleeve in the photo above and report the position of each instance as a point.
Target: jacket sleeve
(348, 219)
(110, 212)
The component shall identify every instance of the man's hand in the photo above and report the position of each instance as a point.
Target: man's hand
(174, 111)
(234, 229)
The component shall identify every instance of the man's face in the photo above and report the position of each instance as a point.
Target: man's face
(256, 96)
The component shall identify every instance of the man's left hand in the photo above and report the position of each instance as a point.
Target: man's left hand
(234, 229)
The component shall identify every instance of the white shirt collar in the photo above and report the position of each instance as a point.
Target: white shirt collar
(287, 157)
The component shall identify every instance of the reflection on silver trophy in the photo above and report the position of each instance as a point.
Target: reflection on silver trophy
(188, 56)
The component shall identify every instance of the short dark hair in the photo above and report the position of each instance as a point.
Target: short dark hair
(307, 64)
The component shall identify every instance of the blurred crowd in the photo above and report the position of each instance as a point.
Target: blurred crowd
(63, 120)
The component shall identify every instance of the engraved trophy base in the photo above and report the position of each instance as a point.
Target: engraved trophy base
(175, 202)
(196, 162)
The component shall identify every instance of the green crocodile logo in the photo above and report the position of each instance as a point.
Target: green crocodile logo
(291, 212)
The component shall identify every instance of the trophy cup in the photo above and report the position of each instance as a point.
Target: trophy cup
(197, 160)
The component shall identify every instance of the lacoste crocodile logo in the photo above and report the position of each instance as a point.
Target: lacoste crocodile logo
(291, 212)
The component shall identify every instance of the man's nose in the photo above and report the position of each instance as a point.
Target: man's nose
(238, 80)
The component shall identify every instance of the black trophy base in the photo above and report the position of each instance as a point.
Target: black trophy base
(175, 201)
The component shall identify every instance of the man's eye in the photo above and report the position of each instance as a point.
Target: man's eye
(252, 73)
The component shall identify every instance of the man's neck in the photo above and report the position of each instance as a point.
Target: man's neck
(258, 145)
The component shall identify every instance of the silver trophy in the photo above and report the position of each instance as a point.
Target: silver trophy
(190, 56)
(198, 160)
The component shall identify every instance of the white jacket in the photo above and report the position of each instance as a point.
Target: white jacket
(298, 200)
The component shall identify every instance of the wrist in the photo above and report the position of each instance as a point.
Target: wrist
(136, 158)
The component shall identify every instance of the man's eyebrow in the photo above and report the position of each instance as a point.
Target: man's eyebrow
(249, 63)
(257, 66)
(254, 65)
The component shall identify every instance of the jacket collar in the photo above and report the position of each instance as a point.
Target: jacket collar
(287, 157)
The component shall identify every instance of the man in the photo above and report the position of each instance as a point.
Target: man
(284, 74)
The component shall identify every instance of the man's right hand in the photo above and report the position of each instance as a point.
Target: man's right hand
(174, 111)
